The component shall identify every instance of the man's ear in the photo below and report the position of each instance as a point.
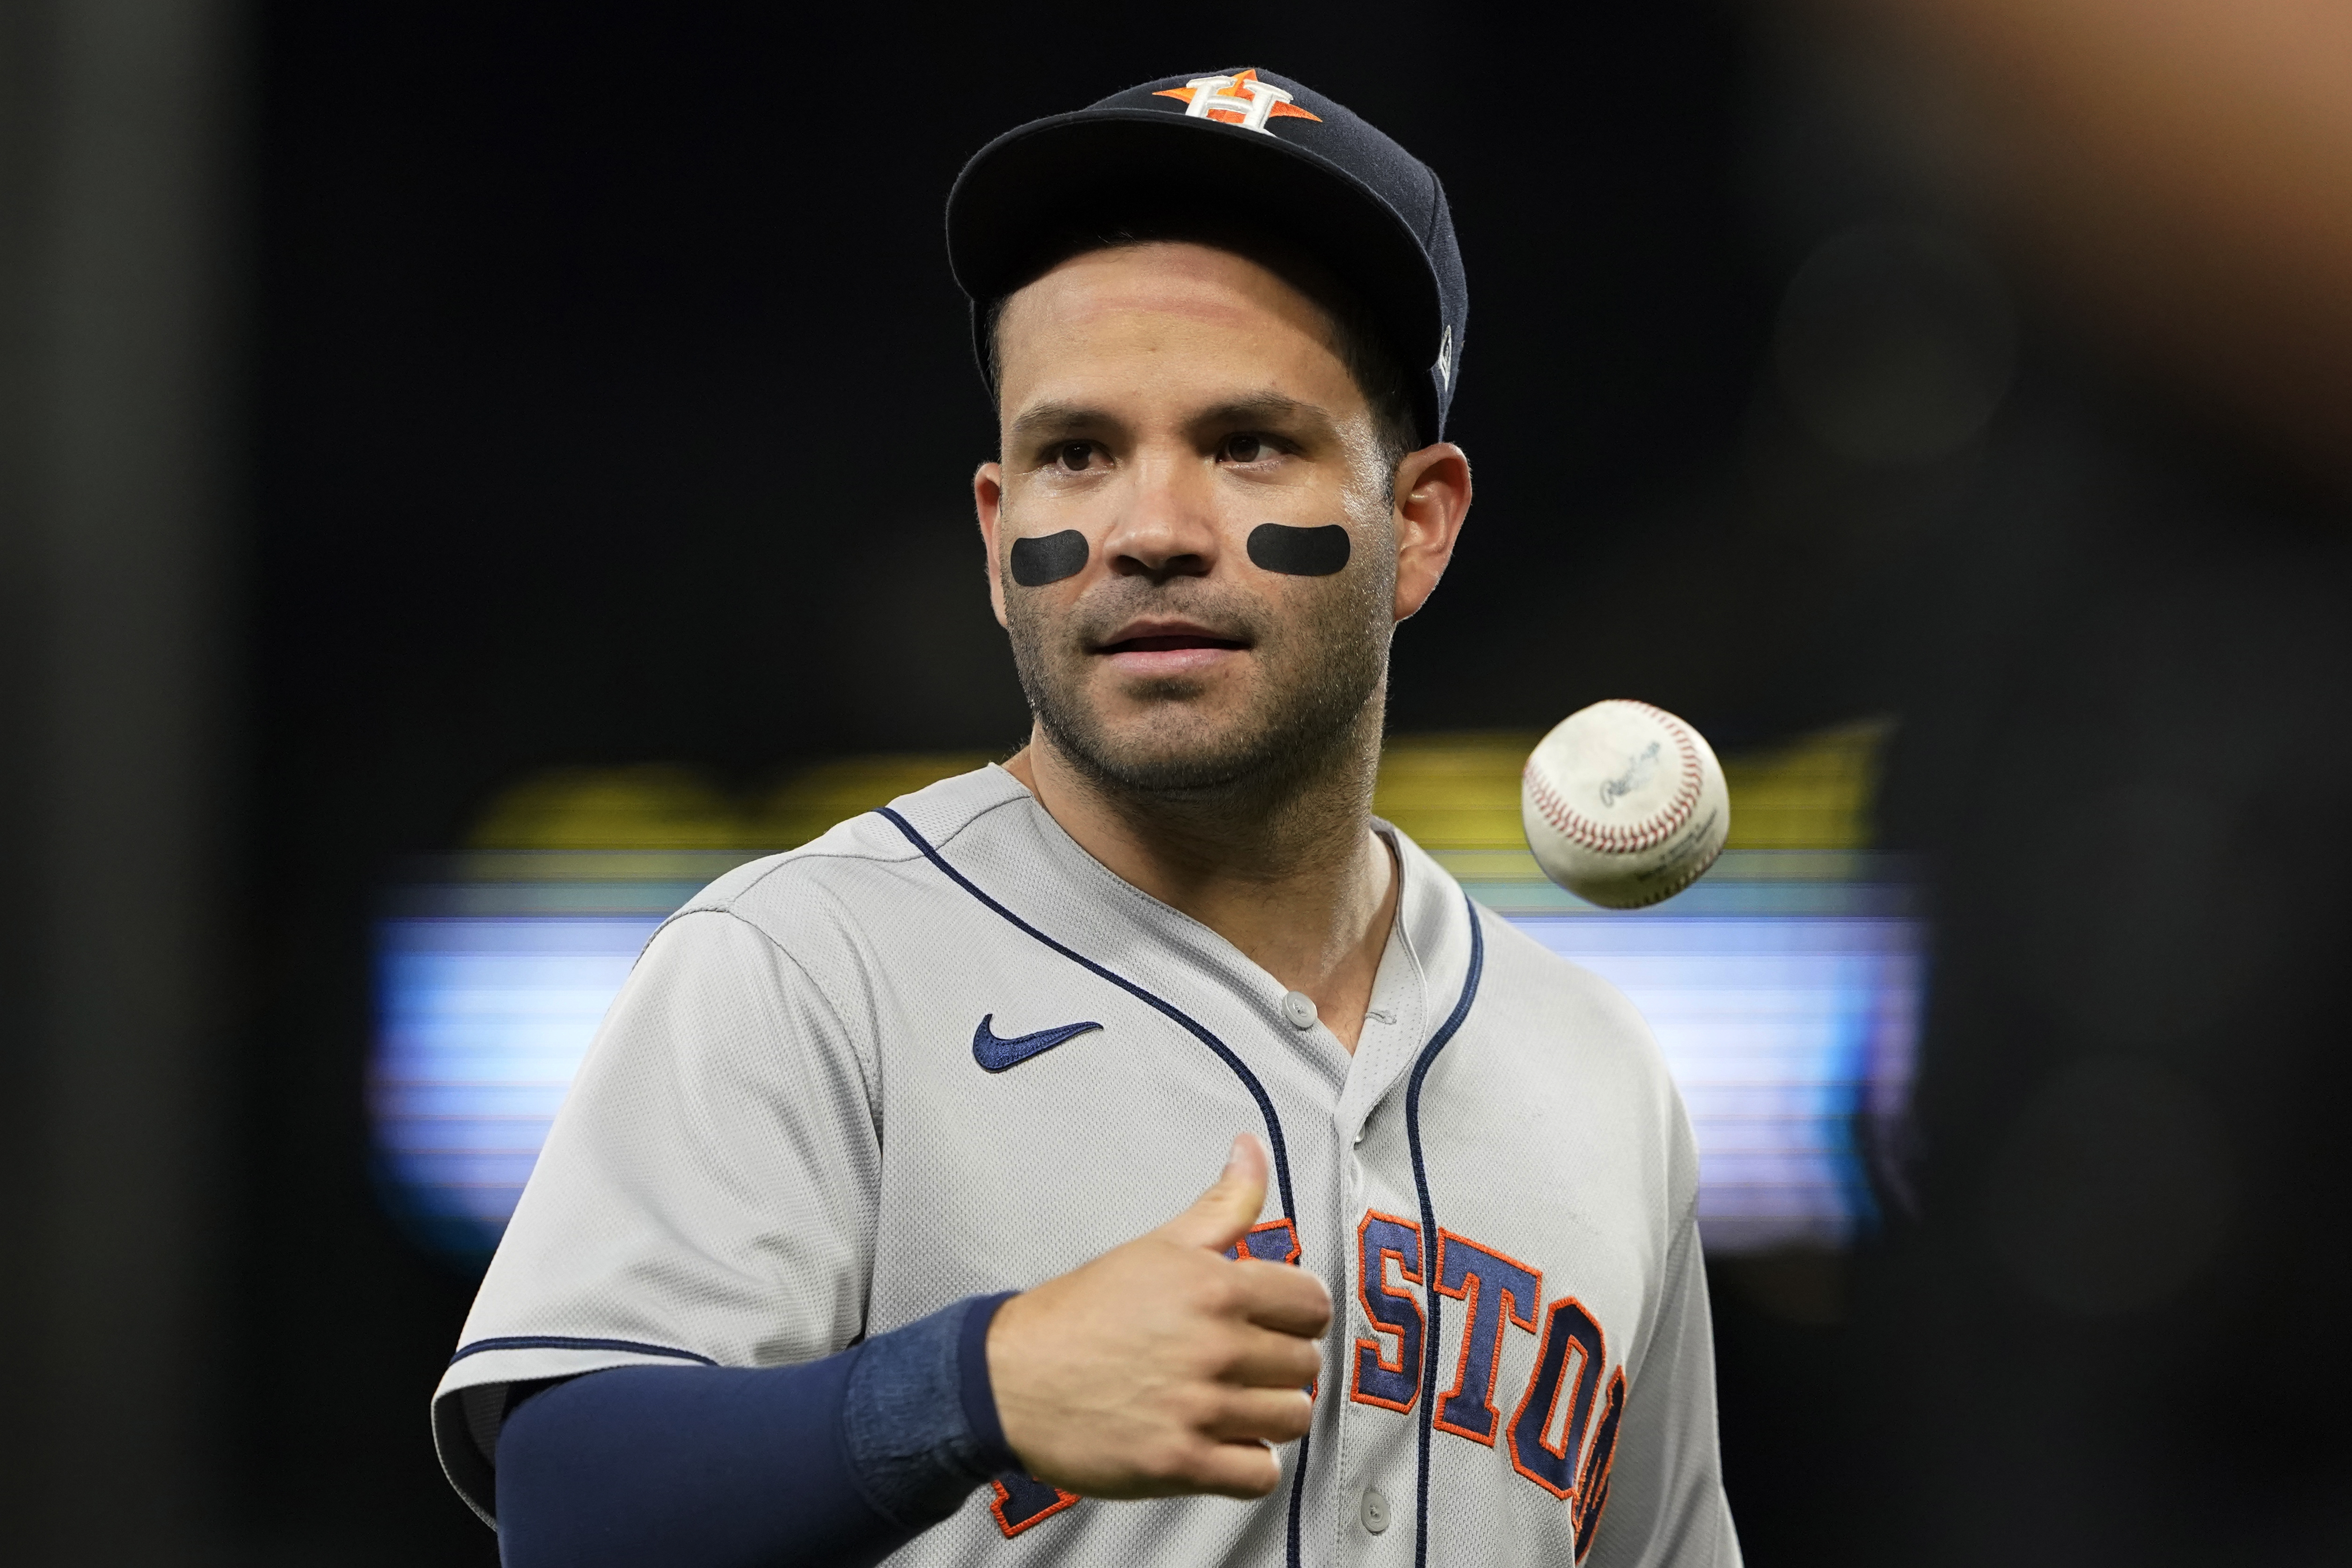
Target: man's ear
(988, 501)
(1433, 497)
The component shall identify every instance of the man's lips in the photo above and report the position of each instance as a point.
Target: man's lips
(1166, 636)
(1170, 643)
(1166, 648)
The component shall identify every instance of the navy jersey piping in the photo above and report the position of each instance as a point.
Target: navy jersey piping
(1429, 1339)
(565, 1343)
(1198, 1031)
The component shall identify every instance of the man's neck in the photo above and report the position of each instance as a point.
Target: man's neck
(1304, 889)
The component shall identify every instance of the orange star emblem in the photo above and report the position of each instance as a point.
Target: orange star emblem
(1237, 100)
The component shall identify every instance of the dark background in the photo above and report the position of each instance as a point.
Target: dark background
(585, 385)
(616, 403)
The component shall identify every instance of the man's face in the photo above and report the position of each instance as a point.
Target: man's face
(1164, 401)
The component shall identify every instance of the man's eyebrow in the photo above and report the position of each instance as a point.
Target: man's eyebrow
(1053, 419)
(1270, 408)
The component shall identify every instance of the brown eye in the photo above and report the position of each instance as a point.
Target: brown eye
(1074, 456)
(1243, 448)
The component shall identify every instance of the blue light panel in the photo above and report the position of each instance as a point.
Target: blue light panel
(1783, 990)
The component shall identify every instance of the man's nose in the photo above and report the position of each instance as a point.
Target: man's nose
(1167, 527)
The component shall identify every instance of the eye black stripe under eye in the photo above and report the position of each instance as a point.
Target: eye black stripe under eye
(1299, 551)
(1037, 562)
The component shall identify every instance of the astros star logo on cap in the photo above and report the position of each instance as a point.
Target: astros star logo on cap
(1325, 180)
(1239, 99)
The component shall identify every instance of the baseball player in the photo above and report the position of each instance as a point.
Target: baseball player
(872, 1225)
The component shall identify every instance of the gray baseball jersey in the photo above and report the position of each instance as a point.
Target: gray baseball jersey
(942, 1051)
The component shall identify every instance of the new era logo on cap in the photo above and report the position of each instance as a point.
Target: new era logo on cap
(1240, 99)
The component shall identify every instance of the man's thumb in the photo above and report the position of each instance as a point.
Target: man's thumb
(1224, 1214)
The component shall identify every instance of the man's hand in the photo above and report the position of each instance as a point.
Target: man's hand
(1163, 1367)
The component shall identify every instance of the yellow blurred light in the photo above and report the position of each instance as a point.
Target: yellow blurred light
(1460, 793)
(1816, 794)
(1455, 792)
(658, 807)
(653, 805)
(814, 799)
(1456, 795)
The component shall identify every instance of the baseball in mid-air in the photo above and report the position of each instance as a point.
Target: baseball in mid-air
(1624, 805)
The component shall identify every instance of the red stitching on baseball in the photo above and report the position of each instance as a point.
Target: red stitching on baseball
(1610, 838)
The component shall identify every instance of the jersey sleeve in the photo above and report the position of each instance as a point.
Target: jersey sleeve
(1663, 1506)
(706, 1194)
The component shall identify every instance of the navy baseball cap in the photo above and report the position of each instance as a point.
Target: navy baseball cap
(1251, 149)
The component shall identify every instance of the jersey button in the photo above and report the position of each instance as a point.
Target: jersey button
(1374, 1511)
(1299, 1008)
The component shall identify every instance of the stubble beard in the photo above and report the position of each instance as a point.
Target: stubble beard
(1312, 710)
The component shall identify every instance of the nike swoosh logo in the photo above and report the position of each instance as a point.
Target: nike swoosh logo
(995, 1053)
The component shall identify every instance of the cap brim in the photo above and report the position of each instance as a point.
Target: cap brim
(1035, 182)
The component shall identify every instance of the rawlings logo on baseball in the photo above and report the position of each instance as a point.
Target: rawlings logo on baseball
(1669, 811)
(1616, 789)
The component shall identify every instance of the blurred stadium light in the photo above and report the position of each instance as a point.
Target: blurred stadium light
(1783, 988)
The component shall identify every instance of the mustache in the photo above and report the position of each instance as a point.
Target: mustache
(1110, 605)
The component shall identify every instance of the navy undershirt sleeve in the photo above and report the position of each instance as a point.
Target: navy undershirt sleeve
(835, 1463)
